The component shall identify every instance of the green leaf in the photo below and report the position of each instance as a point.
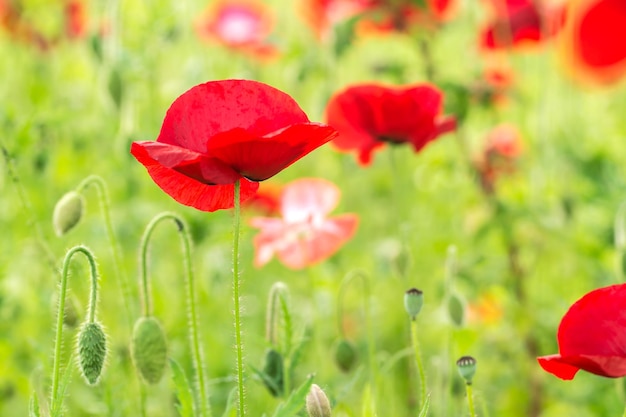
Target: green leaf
(296, 400)
(231, 410)
(184, 393)
(33, 406)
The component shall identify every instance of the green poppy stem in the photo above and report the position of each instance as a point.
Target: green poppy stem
(198, 363)
(59, 328)
(470, 399)
(236, 300)
(419, 363)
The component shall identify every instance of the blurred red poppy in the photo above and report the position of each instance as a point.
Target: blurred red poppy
(592, 336)
(223, 131)
(369, 115)
(594, 40)
(503, 147)
(516, 23)
(239, 25)
(304, 235)
(266, 201)
(75, 19)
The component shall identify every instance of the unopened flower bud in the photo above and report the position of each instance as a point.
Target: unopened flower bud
(413, 301)
(148, 349)
(274, 369)
(92, 351)
(317, 404)
(67, 212)
(467, 368)
(345, 355)
(456, 309)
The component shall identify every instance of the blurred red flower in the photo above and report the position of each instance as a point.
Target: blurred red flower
(369, 115)
(592, 336)
(516, 23)
(13, 22)
(266, 201)
(75, 19)
(223, 131)
(239, 25)
(503, 147)
(594, 40)
(304, 235)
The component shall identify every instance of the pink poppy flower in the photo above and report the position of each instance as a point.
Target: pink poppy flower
(368, 116)
(304, 234)
(239, 25)
(592, 336)
(593, 41)
(221, 132)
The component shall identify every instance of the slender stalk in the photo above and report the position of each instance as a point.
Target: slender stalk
(470, 399)
(419, 363)
(624, 415)
(105, 208)
(236, 300)
(203, 407)
(61, 308)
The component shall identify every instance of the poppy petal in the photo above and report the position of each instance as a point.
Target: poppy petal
(320, 244)
(210, 171)
(269, 238)
(307, 198)
(259, 158)
(189, 191)
(555, 365)
(220, 106)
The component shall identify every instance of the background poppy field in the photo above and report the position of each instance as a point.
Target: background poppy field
(502, 223)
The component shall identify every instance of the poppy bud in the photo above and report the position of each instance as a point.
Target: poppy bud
(456, 309)
(467, 368)
(317, 404)
(148, 348)
(92, 351)
(273, 369)
(413, 301)
(67, 212)
(345, 355)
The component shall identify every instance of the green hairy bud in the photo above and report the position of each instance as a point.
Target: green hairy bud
(148, 349)
(92, 351)
(67, 212)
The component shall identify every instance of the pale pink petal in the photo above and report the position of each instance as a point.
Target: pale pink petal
(308, 198)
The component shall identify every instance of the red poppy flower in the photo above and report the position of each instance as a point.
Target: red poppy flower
(594, 40)
(521, 22)
(502, 148)
(369, 115)
(592, 336)
(75, 19)
(239, 25)
(223, 131)
(304, 235)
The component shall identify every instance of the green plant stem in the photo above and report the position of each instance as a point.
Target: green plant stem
(204, 407)
(470, 399)
(236, 300)
(419, 363)
(105, 208)
(59, 328)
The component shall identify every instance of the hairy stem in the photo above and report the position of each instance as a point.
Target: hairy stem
(418, 362)
(236, 300)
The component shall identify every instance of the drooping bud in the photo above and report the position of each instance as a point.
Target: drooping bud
(92, 351)
(148, 349)
(345, 355)
(67, 212)
(317, 404)
(456, 309)
(467, 368)
(413, 301)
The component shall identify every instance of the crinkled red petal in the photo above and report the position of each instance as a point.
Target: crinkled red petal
(220, 106)
(565, 367)
(259, 158)
(189, 191)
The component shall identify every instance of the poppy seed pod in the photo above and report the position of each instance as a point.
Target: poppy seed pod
(273, 369)
(92, 351)
(413, 301)
(467, 368)
(67, 212)
(345, 355)
(148, 349)
(317, 404)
